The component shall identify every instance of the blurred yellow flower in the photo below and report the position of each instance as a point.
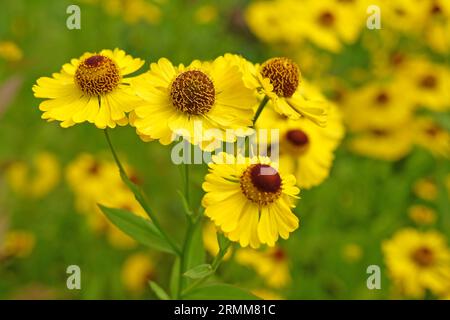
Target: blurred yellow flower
(178, 99)
(10, 51)
(206, 14)
(249, 200)
(37, 179)
(271, 264)
(432, 136)
(96, 181)
(426, 189)
(17, 243)
(306, 150)
(418, 261)
(352, 252)
(137, 270)
(422, 215)
(428, 84)
(389, 145)
(92, 88)
(267, 294)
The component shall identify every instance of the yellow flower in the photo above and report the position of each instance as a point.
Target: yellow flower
(249, 200)
(306, 150)
(210, 241)
(378, 105)
(92, 88)
(266, 294)
(429, 84)
(17, 243)
(389, 145)
(426, 189)
(96, 181)
(352, 252)
(10, 51)
(35, 180)
(330, 23)
(271, 264)
(137, 270)
(431, 136)
(418, 261)
(206, 14)
(179, 99)
(422, 215)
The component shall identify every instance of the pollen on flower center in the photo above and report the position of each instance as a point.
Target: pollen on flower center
(97, 75)
(261, 184)
(284, 75)
(193, 92)
(424, 257)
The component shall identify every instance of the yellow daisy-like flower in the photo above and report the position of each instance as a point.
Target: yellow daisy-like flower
(209, 235)
(35, 180)
(305, 149)
(429, 82)
(92, 88)
(179, 99)
(426, 188)
(389, 145)
(137, 270)
(279, 79)
(418, 261)
(432, 136)
(422, 215)
(249, 200)
(271, 264)
(17, 243)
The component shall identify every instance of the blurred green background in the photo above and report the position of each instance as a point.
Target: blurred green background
(362, 202)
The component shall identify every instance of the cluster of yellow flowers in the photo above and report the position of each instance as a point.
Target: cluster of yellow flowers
(332, 24)
(228, 95)
(94, 181)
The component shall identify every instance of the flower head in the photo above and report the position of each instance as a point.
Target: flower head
(249, 200)
(92, 88)
(179, 99)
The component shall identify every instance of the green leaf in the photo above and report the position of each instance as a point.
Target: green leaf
(200, 271)
(195, 252)
(160, 292)
(219, 292)
(175, 278)
(140, 229)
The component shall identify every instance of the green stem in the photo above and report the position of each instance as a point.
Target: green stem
(139, 195)
(260, 109)
(183, 261)
(215, 265)
(186, 184)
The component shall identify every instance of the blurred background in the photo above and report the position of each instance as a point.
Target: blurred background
(391, 172)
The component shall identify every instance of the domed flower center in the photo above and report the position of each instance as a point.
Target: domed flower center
(297, 142)
(193, 92)
(97, 75)
(279, 255)
(284, 75)
(423, 256)
(326, 19)
(382, 98)
(261, 184)
(428, 82)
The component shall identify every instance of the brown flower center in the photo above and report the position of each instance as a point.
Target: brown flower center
(382, 98)
(428, 82)
(326, 19)
(279, 255)
(261, 184)
(423, 256)
(298, 142)
(193, 92)
(97, 75)
(284, 75)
